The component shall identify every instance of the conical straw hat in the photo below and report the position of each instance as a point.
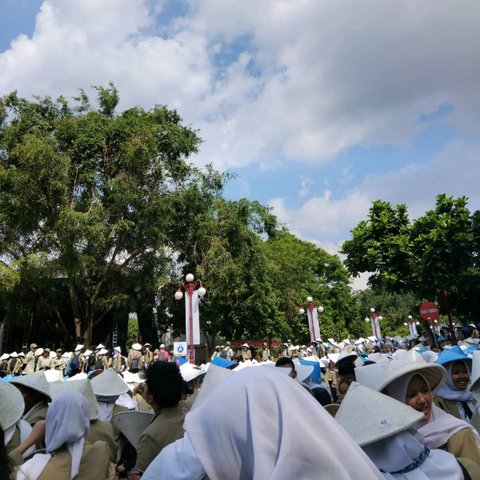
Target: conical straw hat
(108, 384)
(11, 405)
(370, 416)
(213, 378)
(132, 424)
(190, 372)
(81, 386)
(36, 381)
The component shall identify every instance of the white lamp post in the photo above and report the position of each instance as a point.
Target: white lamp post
(375, 322)
(194, 290)
(313, 321)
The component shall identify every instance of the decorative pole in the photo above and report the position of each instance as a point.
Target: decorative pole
(194, 290)
(313, 321)
(375, 323)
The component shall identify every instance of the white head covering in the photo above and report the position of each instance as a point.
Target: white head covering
(261, 440)
(58, 432)
(448, 389)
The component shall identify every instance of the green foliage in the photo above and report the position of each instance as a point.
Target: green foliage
(96, 195)
(132, 329)
(434, 257)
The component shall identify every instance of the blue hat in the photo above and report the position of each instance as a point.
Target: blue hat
(451, 355)
(222, 362)
(316, 375)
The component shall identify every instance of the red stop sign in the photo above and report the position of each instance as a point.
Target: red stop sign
(429, 311)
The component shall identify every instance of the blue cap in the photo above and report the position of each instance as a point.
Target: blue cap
(222, 362)
(451, 355)
(316, 375)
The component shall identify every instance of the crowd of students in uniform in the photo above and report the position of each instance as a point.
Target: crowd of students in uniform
(357, 409)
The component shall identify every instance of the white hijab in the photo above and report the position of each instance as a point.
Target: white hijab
(440, 426)
(263, 425)
(67, 423)
(404, 451)
(449, 391)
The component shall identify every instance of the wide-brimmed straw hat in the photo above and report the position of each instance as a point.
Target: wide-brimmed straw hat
(53, 375)
(109, 384)
(4, 356)
(452, 355)
(14, 355)
(103, 351)
(38, 352)
(136, 346)
(36, 381)
(370, 416)
(80, 386)
(346, 356)
(303, 372)
(12, 405)
(78, 347)
(434, 373)
(132, 424)
(99, 346)
(190, 371)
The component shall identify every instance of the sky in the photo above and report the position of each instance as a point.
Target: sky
(318, 107)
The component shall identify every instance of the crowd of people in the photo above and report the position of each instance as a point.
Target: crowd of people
(358, 409)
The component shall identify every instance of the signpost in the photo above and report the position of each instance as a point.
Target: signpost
(429, 311)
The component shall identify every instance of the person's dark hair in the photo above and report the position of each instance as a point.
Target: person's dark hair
(5, 470)
(346, 369)
(347, 380)
(284, 361)
(321, 395)
(165, 383)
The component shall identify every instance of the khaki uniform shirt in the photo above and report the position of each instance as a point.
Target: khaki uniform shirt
(95, 464)
(148, 358)
(15, 366)
(464, 446)
(451, 407)
(43, 363)
(29, 362)
(103, 431)
(166, 427)
(135, 354)
(58, 364)
(36, 413)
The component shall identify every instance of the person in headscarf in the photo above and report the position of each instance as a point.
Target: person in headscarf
(36, 395)
(454, 396)
(413, 384)
(265, 439)
(68, 455)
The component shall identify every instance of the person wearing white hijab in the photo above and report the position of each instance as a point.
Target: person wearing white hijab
(454, 396)
(273, 434)
(439, 429)
(68, 455)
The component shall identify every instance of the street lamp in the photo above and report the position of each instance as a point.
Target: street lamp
(195, 291)
(412, 326)
(312, 315)
(374, 319)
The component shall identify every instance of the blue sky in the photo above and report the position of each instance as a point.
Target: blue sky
(319, 107)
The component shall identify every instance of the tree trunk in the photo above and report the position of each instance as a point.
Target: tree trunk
(76, 312)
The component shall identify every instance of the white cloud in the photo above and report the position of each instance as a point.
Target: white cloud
(454, 171)
(319, 77)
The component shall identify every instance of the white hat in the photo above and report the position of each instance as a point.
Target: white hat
(78, 347)
(4, 356)
(370, 416)
(14, 355)
(66, 354)
(136, 346)
(213, 378)
(303, 372)
(190, 372)
(87, 353)
(162, 345)
(132, 424)
(108, 384)
(118, 349)
(38, 352)
(99, 346)
(81, 386)
(246, 345)
(12, 405)
(53, 375)
(103, 351)
(434, 373)
(21, 354)
(475, 377)
(371, 375)
(36, 381)
(408, 355)
(346, 355)
(378, 357)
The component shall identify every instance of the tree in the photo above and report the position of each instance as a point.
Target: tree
(92, 197)
(435, 256)
(300, 269)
